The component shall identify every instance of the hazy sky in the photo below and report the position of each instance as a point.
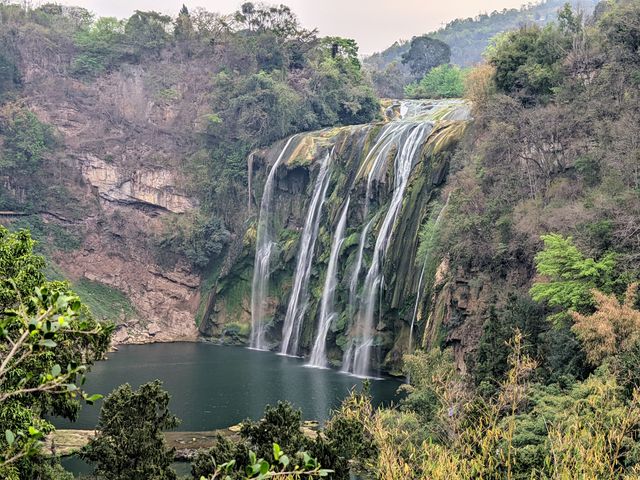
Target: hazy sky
(375, 24)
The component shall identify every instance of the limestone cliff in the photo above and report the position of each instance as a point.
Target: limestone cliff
(122, 142)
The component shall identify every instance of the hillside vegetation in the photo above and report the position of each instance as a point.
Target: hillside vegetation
(467, 38)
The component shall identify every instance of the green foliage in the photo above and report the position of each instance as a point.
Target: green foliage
(147, 33)
(491, 362)
(48, 340)
(347, 431)
(49, 236)
(528, 62)
(196, 237)
(426, 53)
(105, 302)
(101, 46)
(570, 276)
(27, 140)
(261, 469)
(259, 451)
(130, 442)
(281, 424)
(183, 29)
(621, 25)
(224, 451)
(445, 81)
(428, 373)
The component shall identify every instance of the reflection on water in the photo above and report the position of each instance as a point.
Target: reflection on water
(214, 386)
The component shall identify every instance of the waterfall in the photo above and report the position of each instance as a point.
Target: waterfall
(383, 167)
(262, 263)
(355, 275)
(408, 138)
(424, 268)
(298, 301)
(327, 312)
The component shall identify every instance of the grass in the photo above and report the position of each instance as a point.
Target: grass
(105, 302)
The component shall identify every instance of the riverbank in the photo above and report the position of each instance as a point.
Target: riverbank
(66, 442)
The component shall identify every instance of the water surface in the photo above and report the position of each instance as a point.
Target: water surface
(215, 387)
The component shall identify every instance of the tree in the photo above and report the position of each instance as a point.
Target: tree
(130, 443)
(101, 47)
(281, 424)
(528, 61)
(146, 33)
(48, 340)
(614, 327)
(26, 142)
(569, 277)
(183, 27)
(424, 54)
(445, 81)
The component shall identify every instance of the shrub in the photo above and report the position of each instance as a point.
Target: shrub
(445, 81)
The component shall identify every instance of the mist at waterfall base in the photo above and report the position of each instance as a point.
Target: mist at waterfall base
(398, 147)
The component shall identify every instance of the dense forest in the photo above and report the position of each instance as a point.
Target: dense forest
(527, 310)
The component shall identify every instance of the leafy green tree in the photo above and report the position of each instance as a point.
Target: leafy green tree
(281, 424)
(196, 237)
(26, 142)
(130, 441)
(347, 430)
(445, 81)
(223, 451)
(101, 47)
(568, 276)
(621, 25)
(48, 340)
(492, 356)
(426, 53)
(528, 61)
(147, 33)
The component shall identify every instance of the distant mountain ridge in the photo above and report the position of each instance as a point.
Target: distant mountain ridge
(469, 37)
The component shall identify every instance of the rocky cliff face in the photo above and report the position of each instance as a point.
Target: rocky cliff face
(123, 140)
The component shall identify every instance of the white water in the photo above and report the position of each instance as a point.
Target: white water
(327, 311)
(264, 248)
(413, 137)
(299, 294)
(424, 268)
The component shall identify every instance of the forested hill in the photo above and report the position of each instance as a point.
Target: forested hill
(468, 38)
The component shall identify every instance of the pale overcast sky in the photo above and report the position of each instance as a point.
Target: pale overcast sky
(375, 24)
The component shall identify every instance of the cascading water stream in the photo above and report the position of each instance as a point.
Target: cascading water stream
(409, 138)
(424, 268)
(262, 264)
(299, 294)
(327, 312)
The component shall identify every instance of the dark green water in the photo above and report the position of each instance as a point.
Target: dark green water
(215, 386)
